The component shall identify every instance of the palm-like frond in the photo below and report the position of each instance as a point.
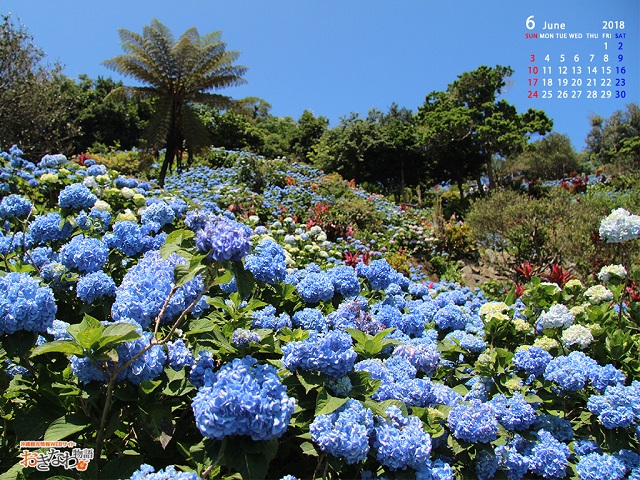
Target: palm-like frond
(177, 72)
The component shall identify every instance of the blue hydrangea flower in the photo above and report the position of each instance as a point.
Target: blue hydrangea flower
(76, 196)
(127, 237)
(96, 169)
(196, 219)
(619, 407)
(52, 160)
(400, 441)
(146, 367)
(345, 280)
(14, 206)
(53, 272)
(267, 263)
(570, 372)
(13, 369)
(24, 304)
(95, 285)
(436, 470)
(102, 218)
(602, 377)
(355, 314)
(315, 287)
(379, 273)
(549, 457)
(467, 341)
(84, 254)
(422, 353)
(201, 366)
(559, 427)
(243, 398)
(225, 239)
(242, 337)
(473, 422)
(310, 319)
(512, 461)
(595, 466)
(158, 214)
(40, 256)
(179, 355)
(147, 472)
(46, 228)
(486, 466)
(267, 318)
(331, 354)
(532, 360)
(145, 288)
(450, 317)
(513, 413)
(345, 432)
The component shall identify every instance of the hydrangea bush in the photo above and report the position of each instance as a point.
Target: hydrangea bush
(216, 336)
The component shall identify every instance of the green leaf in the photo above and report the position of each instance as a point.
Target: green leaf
(251, 459)
(90, 338)
(174, 242)
(244, 279)
(61, 346)
(183, 274)
(116, 334)
(309, 448)
(66, 426)
(326, 403)
(87, 323)
(122, 466)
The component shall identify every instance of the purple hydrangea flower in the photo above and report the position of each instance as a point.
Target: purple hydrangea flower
(225, 239)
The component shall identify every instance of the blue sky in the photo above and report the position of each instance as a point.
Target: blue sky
(334, 57)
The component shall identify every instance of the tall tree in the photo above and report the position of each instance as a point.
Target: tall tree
(548, 158)
(380, 149)
(469, 119)
(616, 140)
(36, 100)
(177, 73)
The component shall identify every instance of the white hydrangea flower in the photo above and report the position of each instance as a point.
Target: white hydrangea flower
(598, 294)
(90, 182)
(620, 226)
(557, 316)
(128, 192)
(577, 335)
(612, 271)
(546, 343)
(574, 282)
(102, 205)
(521, 325)
(494, 309)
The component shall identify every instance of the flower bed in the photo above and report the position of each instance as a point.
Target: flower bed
(175, 337)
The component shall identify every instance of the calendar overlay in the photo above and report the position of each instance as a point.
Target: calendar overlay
(584, 63)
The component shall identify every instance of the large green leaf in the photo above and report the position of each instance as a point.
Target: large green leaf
(326, 403)
(61, 346)
(66, 426)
